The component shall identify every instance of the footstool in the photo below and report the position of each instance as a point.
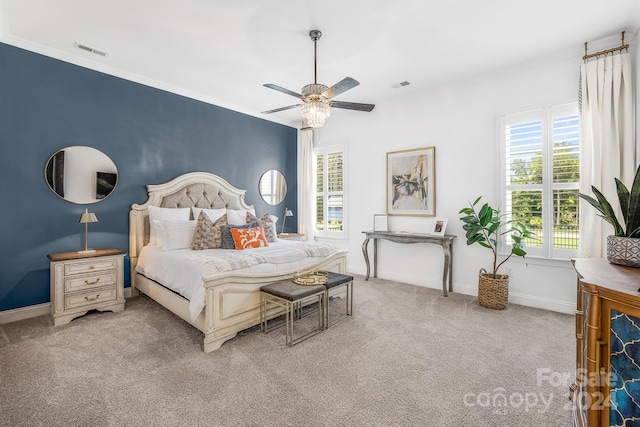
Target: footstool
(289, 295)
(334, 282)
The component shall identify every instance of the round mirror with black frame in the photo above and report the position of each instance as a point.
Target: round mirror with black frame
(273, 187)
(80, 174)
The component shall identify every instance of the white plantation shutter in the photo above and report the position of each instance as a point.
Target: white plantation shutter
(540, 152)
(329, 186)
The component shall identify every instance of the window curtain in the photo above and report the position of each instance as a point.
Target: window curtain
(305, 184)
(280, 186)
(607, 142)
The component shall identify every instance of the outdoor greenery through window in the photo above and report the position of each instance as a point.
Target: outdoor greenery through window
(329, 191)
(541, 157)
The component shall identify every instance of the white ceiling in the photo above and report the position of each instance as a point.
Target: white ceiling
(222, 51)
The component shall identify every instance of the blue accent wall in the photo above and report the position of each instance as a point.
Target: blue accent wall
(151, 135)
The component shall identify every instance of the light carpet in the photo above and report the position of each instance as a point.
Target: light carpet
(407, 357)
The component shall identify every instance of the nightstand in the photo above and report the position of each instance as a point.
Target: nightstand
(83, 282)
(291, 236)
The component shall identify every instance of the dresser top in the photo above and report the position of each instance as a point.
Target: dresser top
(607, 276)
(66, 256)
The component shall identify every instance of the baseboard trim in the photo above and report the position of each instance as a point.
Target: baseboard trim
(514, 297)
(8, 316)
(13, 315)
(523, 299)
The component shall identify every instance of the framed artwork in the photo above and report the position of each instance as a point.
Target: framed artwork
(411, 182)
(380, 222)
(439, 227)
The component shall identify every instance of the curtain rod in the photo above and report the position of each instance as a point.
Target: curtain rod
(604, 52)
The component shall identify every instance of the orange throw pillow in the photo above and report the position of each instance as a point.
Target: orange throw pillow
(252, 237)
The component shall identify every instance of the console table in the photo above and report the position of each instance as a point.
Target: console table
(398, 237)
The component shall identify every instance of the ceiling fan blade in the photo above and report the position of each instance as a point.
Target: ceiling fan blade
(340, 87)
(352, 106)
(281, 109)
(283, 90)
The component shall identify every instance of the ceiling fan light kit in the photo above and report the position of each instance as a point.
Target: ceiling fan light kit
(317, 98)
(316, 109)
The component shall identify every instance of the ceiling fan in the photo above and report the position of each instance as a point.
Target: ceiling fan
(317, 99)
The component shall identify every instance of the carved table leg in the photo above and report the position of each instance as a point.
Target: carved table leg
(445, 270)
(365, 252)
(375, 257)
(450, 246)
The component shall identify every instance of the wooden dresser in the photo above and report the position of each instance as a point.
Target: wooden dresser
(86, 281)
(607, 344)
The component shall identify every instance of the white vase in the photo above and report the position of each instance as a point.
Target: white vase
(623, 251)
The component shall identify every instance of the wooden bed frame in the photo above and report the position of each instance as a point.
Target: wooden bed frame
(232, 300)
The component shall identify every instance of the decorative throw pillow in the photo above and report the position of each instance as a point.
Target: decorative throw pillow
(208, 233)
(227, 237)
(251, 217)
(269, 227)
(252, 237)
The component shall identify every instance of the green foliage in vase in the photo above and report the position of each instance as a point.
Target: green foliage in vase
(486, 225)
(629, 205)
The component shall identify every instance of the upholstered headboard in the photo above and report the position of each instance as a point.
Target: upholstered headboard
(195, 189)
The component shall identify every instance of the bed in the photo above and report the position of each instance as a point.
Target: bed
(231, 298)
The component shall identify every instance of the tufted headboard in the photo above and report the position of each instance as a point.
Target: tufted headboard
(194, 189)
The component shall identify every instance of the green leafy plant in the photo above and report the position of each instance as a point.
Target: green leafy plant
(485, 226)
(629, 205)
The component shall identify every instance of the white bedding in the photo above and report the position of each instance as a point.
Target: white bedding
(182, 270)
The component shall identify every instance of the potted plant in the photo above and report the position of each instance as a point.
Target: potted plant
(623, 247)
(484, 227)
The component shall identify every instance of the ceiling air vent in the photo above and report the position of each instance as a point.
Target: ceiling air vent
(400, 84)
(90, 49)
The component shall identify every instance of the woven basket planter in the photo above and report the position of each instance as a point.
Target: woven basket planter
(493, 293)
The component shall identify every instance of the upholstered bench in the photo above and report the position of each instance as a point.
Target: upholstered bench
(334, 282)
(291, 297)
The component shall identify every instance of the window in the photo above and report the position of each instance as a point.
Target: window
(540, 156)
(329, 186)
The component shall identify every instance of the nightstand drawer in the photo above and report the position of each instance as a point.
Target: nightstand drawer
(90, 266)
(93, 297)
(75, 283)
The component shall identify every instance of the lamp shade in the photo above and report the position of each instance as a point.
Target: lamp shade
(87, 217)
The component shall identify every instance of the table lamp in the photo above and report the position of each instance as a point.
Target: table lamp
(287, 212)
(85, 219)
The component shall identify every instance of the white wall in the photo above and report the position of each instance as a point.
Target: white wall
(636, 64)
(460, 121)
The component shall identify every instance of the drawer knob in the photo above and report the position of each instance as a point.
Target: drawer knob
(92, 299)
(86, 282)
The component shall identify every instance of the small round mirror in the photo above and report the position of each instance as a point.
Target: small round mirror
(273, 187)
(81, 175)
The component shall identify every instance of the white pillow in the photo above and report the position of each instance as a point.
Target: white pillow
(274, 219)
(178, 234)
(155, 233)
(238, 216)
(213, 214)
(157, 214)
